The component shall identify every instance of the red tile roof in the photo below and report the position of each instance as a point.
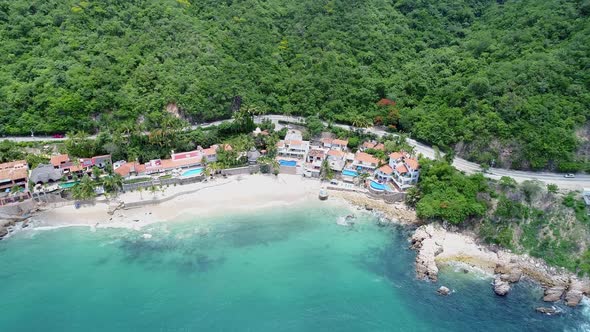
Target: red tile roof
(368, 145)
(413, 163)
(125, 169)
(386, 169)
(396, 155)
(336, 153)
(340, 142)
(379, 146)
(14, 170)
(316, 153)
(401, 168)
(59, 159)
(366, 158)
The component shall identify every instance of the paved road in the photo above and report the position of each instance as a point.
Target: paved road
(577, 183)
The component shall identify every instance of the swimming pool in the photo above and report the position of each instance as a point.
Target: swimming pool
(288, 163)
(379, 186)
(68, 184)
(349, 172)
(193, 172)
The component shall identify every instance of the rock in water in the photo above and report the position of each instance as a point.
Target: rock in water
(573, 297)
(501, 287)
(553, 294)
(547, 310)
(576, 291)
(443, 290)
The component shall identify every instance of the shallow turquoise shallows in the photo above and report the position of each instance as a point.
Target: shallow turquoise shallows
(287, 269)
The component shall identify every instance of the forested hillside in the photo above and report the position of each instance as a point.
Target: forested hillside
(500, 81)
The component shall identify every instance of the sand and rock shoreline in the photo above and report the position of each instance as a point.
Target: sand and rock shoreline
(434, 245)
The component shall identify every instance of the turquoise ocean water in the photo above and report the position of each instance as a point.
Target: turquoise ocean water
(289, 269)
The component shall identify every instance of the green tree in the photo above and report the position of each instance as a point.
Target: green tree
(84, 190)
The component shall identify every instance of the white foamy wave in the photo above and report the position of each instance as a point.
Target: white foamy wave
(585, 309)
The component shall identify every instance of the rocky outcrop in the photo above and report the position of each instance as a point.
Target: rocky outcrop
(428, 249)
(501, 287)
(435, 245)
(508, 272)
(576, 290)
(443, 290)
(553, 294)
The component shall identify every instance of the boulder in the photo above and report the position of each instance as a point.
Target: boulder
(553, 294)
(443, 290)
(547, 310)
(501, 287)
(573, 297)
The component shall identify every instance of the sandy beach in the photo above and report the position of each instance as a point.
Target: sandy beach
(220, 196)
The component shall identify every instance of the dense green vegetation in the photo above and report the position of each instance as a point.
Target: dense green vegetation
(505, 82)
(526, 217)
(443, 193)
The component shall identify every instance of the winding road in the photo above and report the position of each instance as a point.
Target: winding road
(577, 183)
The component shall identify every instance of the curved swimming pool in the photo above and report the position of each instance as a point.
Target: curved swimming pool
(378, 186)
(288, 163)
(348, 172)
(193, 172)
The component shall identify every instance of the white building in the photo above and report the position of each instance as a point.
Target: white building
(293, 145)
(405, 170)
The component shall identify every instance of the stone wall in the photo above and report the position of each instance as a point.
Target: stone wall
(161, 182)
(389, 197)
(252, 169)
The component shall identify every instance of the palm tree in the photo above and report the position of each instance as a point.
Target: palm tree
(84, 190)
(153, 189)
(113, 183)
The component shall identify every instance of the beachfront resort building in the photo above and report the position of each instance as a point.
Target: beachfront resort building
(405, 169)
(177, 161)
(45, 173)
(314, 161)
(365, 162)
(334, 144)
(68, 166)
(293, 145)
(13, 174)
(336, 160)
